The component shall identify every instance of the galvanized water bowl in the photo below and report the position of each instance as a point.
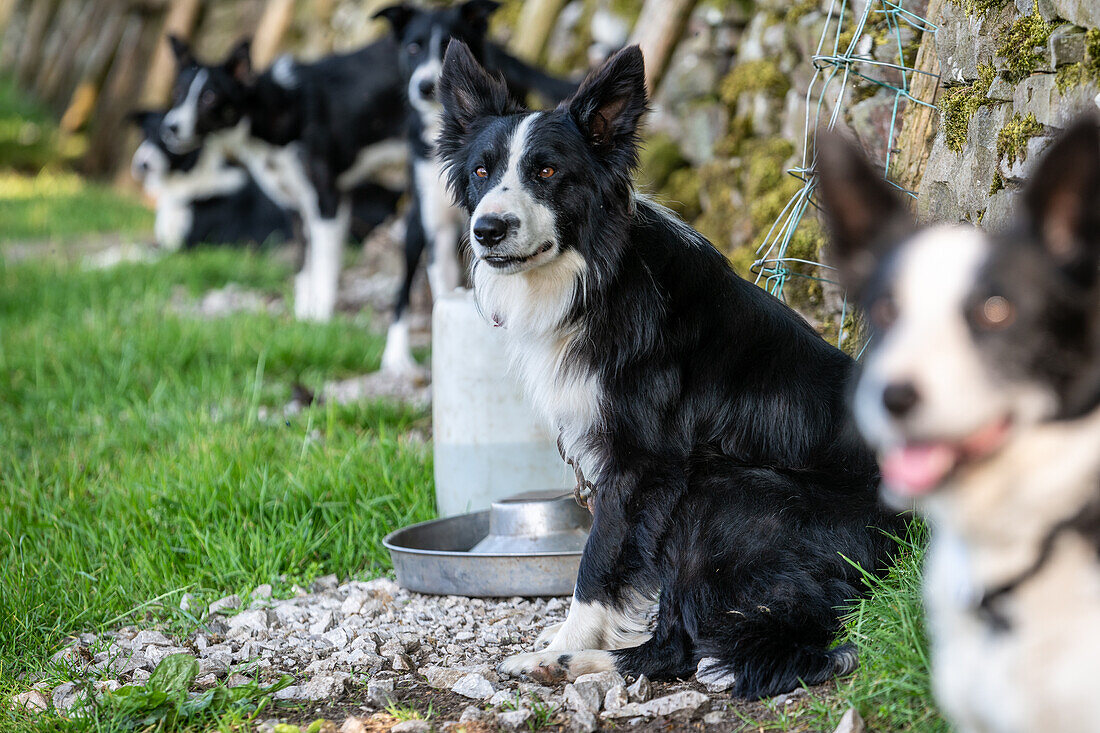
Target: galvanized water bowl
(527, 545)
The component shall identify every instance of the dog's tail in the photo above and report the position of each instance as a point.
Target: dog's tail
(768, 653)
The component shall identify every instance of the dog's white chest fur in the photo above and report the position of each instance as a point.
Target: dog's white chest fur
(1039, 673)
(532, 307)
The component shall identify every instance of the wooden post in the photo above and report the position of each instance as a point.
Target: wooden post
(657, 32)
(536, 23)
(918, 129)
(7, 10)
(179, 20)
(30, 53)
(276, 20)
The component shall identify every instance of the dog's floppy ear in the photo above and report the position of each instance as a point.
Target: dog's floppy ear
(239, 62)
(467, 91)
(865, 215)
(1062, 201)
(477, 12)
(611, 101)
(398, 17)
(182, 51)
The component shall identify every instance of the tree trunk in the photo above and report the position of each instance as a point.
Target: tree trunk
(269, 34)
(180, 21)
(657, 32)
(536, 23)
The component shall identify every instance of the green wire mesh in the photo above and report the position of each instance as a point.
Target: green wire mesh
(836, 67)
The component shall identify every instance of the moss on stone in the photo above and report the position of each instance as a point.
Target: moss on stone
(799, 10)
(1013, 137)
(1019, 41)
(682, 193)
(1085, 71)
(959, 104)
(658, 159)
(979, 7)
(998, 183)
(753, 76)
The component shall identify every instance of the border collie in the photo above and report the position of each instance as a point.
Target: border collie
(201, 197)
(433, 221)
(709, 418)
(981, 392)
(306, 132)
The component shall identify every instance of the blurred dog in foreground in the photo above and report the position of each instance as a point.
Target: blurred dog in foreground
(981, 392)
(708, 416)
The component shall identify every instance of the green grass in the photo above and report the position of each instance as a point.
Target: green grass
(134, 464)
(62, 206)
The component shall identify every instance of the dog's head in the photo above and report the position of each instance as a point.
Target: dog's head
(206, 98)
(974, 336)
(423, 35)
(153, 160)
(535, 183)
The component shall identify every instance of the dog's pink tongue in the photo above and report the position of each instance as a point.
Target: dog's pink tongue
(916, 470)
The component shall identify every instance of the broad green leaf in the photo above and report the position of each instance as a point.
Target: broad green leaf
(174, 674)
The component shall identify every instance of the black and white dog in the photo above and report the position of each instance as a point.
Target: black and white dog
(201, 197)
(433, 221)
(308, 133)
(709, 418)
(981, 392)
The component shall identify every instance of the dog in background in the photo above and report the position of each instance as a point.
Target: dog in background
(981, 392)
(309, 133)
(433, 222)
(709, 417)
(201, 197)
(204, 198)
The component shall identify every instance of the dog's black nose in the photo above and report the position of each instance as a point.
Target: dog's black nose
(490, 229)
(900, 398)
(172, 127)
(427, 88)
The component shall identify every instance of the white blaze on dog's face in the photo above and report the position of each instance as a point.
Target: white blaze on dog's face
(423, 35)
(529, 180)
(205, 98)
(974, 336)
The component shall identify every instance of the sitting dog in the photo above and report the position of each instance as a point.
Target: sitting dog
(433, 221)
(981, 391)
(201, 197)
(708, 416)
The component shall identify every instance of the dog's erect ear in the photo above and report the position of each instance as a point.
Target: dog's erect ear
(1062, 201)
(477, 12)
(182, 51)
(611, 101)
(865, 215)
(239, 61)
(398, 17)
(467, 91)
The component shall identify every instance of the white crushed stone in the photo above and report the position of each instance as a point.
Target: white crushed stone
(375, 640)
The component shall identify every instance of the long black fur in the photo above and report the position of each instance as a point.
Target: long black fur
(732, 481)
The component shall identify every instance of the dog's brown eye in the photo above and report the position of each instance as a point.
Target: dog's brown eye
(413, 48)
(481, 172)
(884, 311)
(547, 172)
(996, 312)
(207, 98)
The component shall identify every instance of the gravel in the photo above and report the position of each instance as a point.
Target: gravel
(362, 646)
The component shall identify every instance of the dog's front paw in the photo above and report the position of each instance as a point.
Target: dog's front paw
(547, 668)
(548, 635)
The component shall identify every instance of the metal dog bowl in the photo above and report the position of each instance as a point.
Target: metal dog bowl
(526, 545)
